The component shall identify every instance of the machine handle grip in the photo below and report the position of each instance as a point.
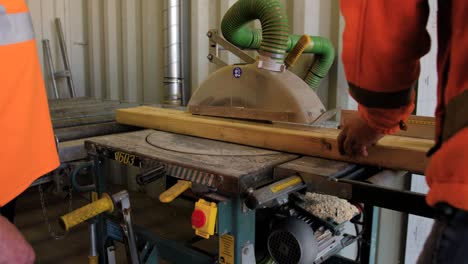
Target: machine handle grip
(93, 259)
(151, 175)
(170, 194)
(297, 50)
(80, 215)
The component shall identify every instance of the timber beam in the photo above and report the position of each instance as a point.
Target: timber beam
(393, 152)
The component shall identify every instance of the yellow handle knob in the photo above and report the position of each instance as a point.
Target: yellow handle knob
(93, 260)
(105, 204)
(297, 50)
(170, 194)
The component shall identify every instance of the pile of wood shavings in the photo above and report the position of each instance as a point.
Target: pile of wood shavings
(329, 207)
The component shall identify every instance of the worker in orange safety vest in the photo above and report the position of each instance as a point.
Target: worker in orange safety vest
(383, 42)
(28, 148)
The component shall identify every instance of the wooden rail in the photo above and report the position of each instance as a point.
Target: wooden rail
(394, 152)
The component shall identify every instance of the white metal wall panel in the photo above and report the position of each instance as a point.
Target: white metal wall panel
(96, 65)
(116, 46)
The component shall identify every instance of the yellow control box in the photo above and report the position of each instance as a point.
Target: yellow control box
(204, 218)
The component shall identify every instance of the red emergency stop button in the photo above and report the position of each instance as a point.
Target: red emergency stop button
(198, 219)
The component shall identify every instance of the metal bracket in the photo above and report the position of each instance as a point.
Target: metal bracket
(111, 255)
(217, 43)
(248, 254)
(123, 201)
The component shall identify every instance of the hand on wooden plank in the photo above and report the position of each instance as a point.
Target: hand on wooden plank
(356, 137)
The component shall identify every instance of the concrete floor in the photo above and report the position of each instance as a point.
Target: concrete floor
(170, 221)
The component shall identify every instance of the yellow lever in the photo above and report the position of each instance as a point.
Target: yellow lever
(93, 259)
(105, 204)
(170, 194)
(297, 50)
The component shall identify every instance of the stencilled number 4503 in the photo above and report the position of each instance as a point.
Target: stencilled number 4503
(124, 158)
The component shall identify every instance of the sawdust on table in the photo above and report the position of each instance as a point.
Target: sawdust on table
(329, 207)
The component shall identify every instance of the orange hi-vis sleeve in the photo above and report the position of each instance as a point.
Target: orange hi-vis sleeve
(382, 44)
(28, 150)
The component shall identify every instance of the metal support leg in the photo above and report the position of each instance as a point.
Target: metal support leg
(102, 242)
(123, 200)
(93, 252)
(236, 227)
(366, 241)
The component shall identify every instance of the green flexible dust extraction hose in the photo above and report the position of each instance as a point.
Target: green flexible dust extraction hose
(324, 58)
(274, 23)
(274, 37)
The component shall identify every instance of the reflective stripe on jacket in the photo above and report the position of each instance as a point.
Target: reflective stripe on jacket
(15, 28)
(383, 42)
(28, 150)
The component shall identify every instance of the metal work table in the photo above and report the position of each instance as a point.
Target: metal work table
(224, 167)
(229, 172)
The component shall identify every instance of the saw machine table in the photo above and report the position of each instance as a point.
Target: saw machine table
(228, 175)
(226, 170)
(225, 167)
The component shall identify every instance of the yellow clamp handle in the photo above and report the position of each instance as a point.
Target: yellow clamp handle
(93, 260)
(170, 194)
(297, 50)
(105, 204)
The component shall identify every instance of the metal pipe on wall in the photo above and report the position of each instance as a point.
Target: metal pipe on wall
(186, 17)
(173, 78)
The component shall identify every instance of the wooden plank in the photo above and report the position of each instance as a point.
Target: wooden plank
(73, 133)
(71, 101)
(418, 126)
(72, 150)
(310, 165)
(84, 120)
(391, 152)
(67, 107)
(87, 110)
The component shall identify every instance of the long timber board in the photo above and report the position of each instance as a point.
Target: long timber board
(393, 152)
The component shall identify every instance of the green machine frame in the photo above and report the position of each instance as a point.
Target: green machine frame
(235, 226)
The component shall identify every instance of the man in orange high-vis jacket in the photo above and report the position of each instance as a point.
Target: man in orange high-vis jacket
(28, 147)
(382, 44)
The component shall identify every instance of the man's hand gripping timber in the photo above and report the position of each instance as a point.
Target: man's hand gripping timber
(356, 137)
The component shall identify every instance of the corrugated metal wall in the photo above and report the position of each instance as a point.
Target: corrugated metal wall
(72, 14)
(116, 46)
